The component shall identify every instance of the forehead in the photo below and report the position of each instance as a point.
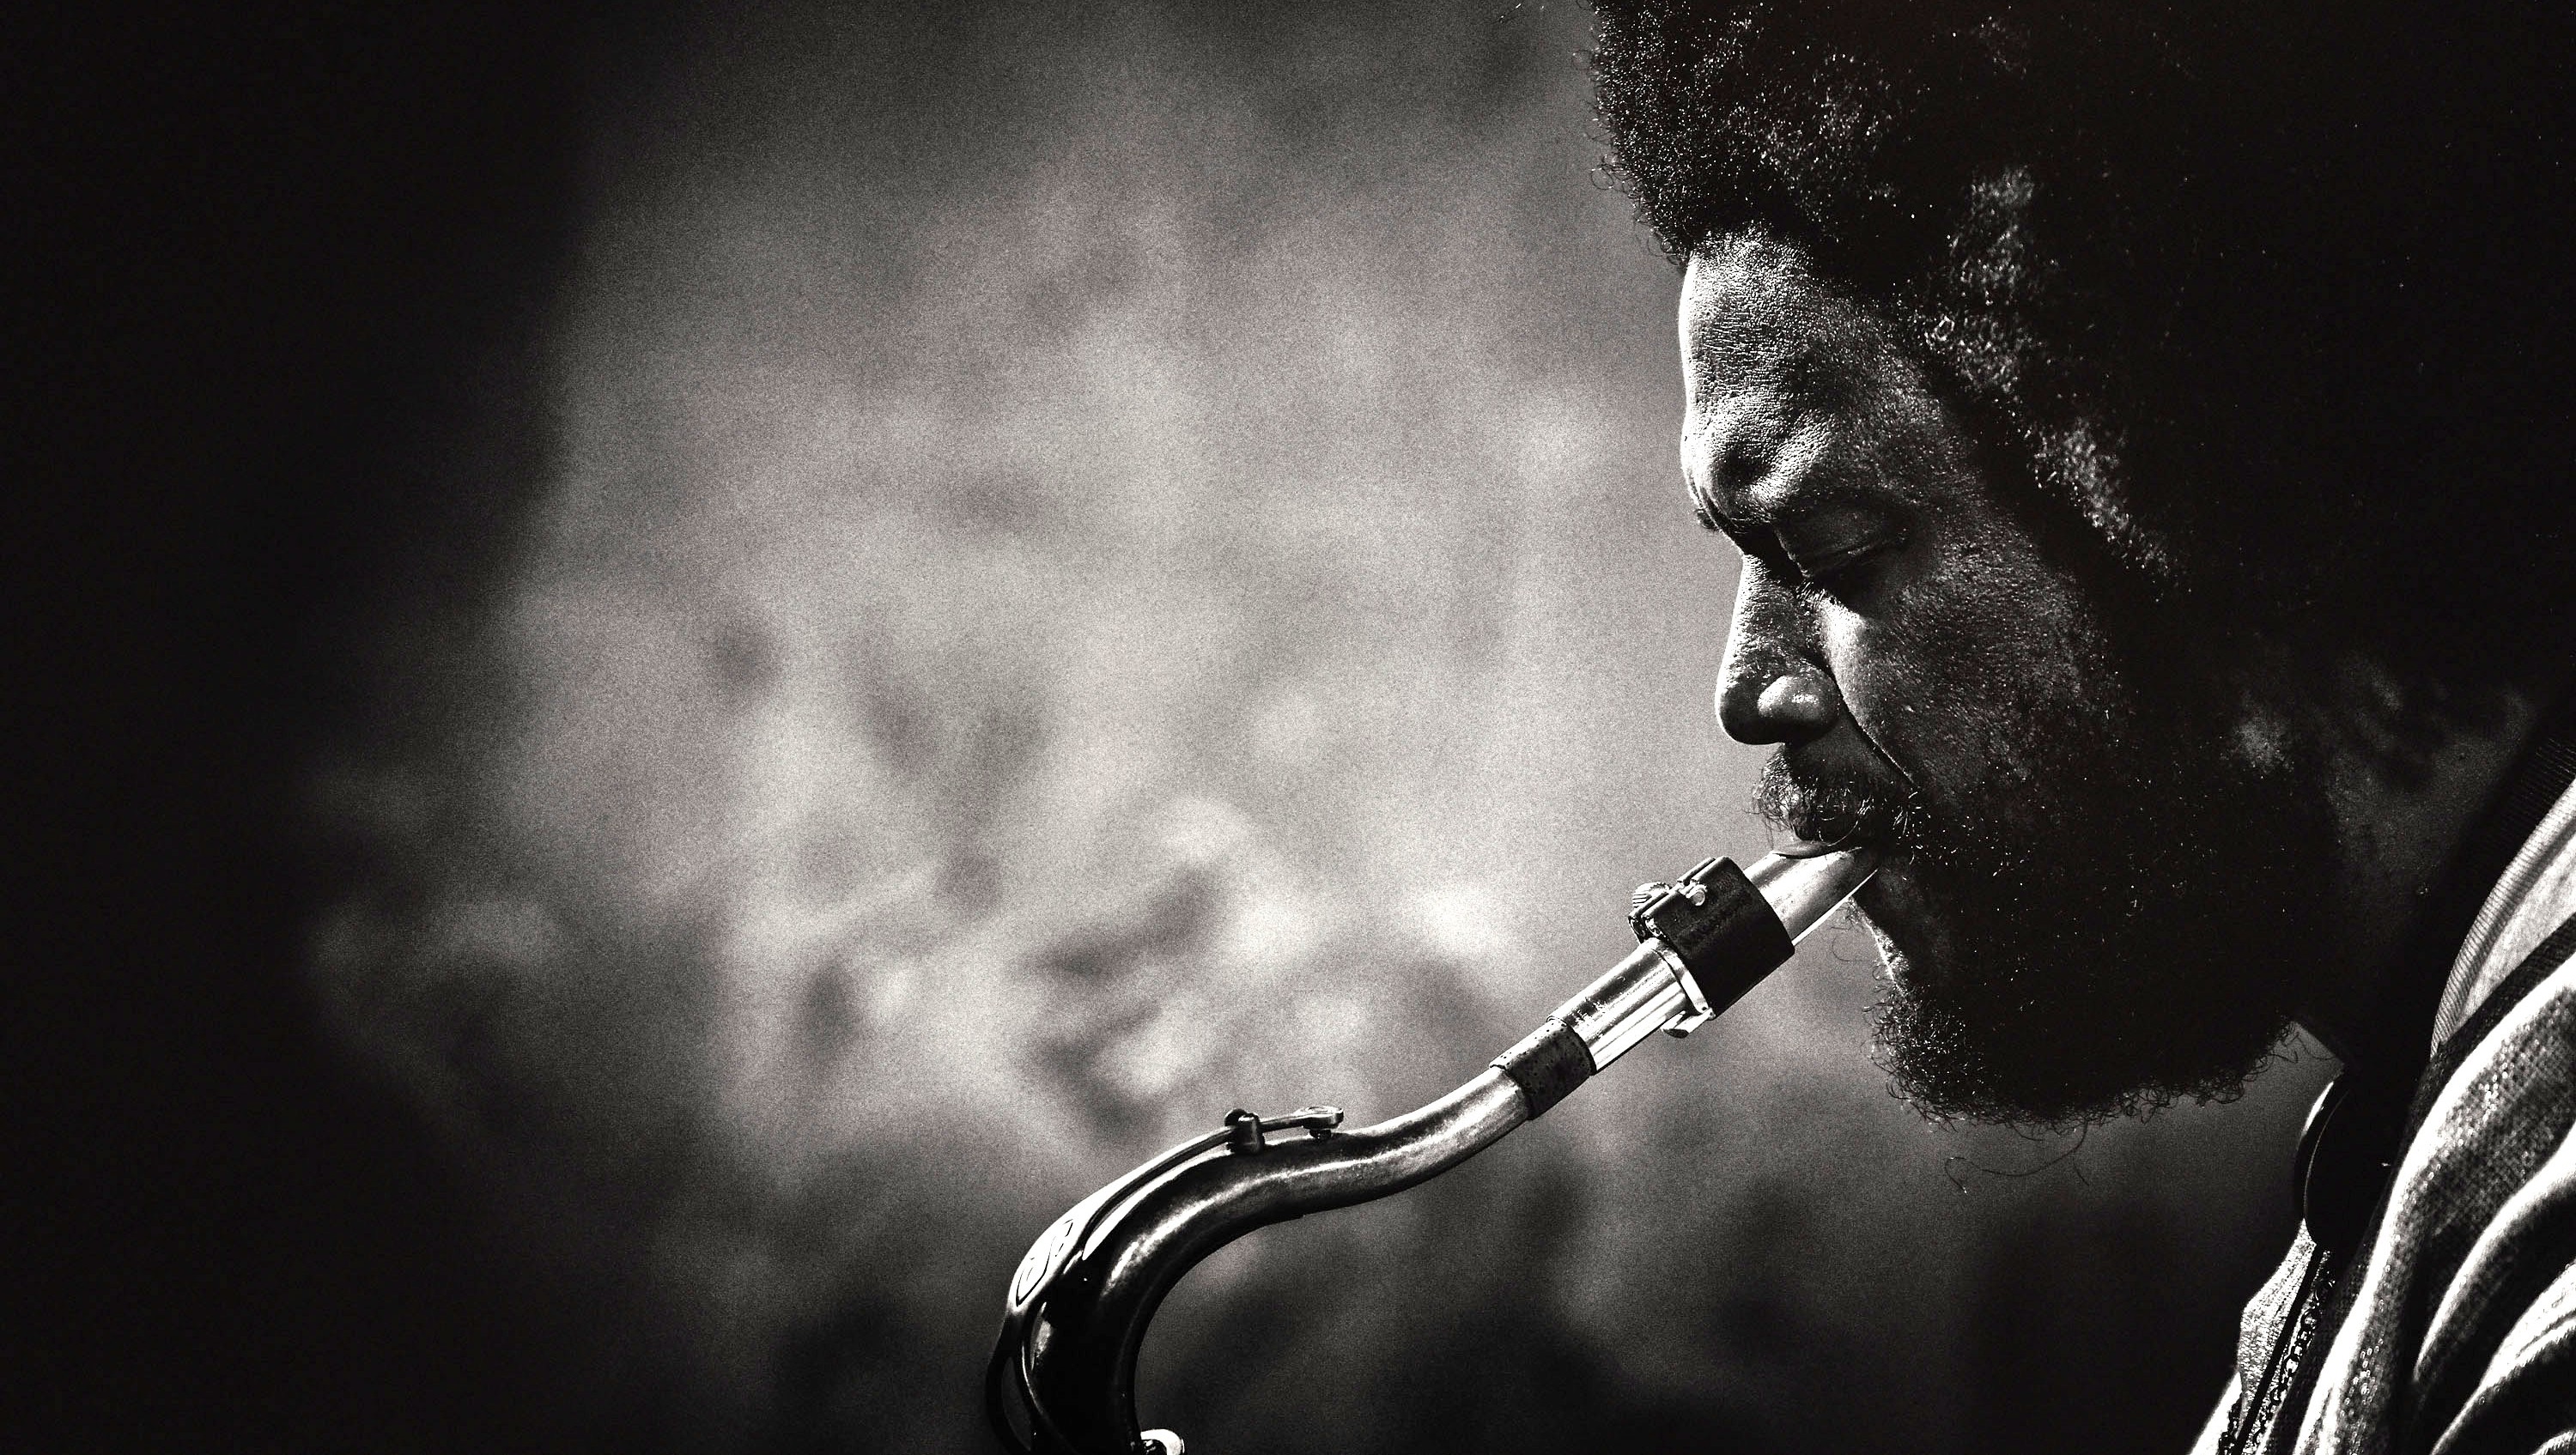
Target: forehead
(1755, 317)
(1795, 389)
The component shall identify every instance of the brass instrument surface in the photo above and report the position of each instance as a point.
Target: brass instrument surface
(1080, 1302)
(1083, 1340)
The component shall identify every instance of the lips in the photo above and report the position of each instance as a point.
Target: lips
(1824, 832)
(1825, 812)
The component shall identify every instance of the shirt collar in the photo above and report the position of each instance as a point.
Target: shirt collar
(2527, 891)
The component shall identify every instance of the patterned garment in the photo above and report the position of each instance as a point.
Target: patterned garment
(2433, 1310)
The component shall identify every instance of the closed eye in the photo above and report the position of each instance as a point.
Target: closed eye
(1829, 546)
(1825, 547)
(1824, 567)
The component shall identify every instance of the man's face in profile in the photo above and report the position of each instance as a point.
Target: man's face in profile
(2106, 865)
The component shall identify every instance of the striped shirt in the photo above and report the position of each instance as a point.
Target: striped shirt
(2445, 1322)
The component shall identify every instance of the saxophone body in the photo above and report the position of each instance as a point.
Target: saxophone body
(1078, 1306)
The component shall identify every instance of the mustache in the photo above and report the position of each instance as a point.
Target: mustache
(1829, 807)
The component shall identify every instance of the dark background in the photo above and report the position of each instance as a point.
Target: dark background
(406, 401)
(262, 256)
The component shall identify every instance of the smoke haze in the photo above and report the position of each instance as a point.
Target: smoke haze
(1091, 566)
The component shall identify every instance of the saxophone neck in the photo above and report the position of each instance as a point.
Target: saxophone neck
(1078, 1307)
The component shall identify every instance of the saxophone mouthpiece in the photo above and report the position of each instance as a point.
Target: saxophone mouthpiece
(1806, 882)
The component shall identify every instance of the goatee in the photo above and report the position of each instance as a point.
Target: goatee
(2126, 918)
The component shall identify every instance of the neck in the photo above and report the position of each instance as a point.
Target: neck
(2410, 786)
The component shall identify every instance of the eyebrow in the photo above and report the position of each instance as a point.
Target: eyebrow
(1711, 519)
(1810, 496)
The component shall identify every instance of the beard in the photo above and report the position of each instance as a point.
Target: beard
(2125, 915)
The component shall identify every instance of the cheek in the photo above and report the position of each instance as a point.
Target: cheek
(1910, 931)
(1950, 675)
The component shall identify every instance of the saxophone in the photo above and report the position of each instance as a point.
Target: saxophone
(1077, 1308)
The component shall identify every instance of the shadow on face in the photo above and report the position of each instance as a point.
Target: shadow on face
(2069, 918)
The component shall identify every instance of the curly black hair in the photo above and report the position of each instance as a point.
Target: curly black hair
(2269, 305)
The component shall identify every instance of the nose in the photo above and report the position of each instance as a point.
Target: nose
(1768, 691)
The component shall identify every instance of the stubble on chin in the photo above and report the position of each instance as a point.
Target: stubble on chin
(2116, 920)
(2151, 954)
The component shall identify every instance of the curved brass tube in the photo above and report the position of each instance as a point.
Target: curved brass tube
(1079, 1304)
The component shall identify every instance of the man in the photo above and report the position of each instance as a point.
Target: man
(2144, 433)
